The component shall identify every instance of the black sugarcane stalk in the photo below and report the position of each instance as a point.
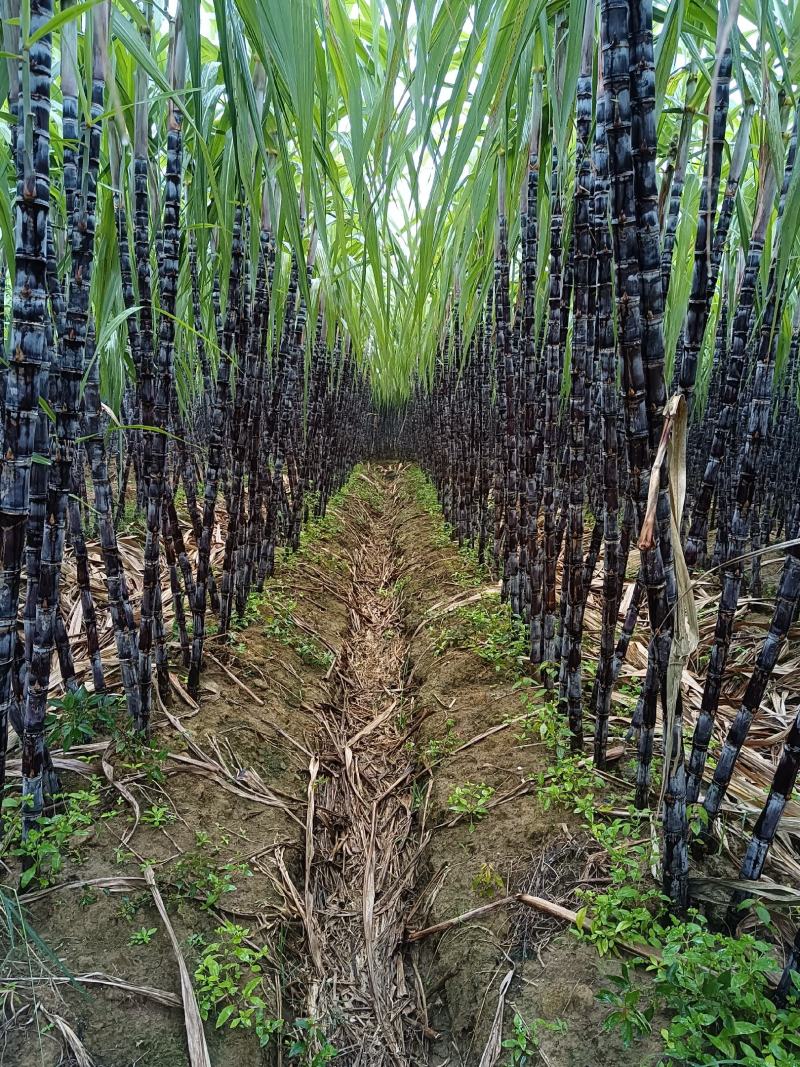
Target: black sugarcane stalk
(62, 483)
(241, 428)
(659, 574)
(607, 355)
(608, 370)
(84, 578)
(485, 418)
(699, 302)
(783, 783)
(40, 471)
(145, 398)
(89, 168)
(175, 588)
(570, 698)
(507, 377)
(739, 157)
(549, 458)
(129, 299)
(30, 341)
(216, 457)
(643, 153)
(529, 496)
(758, 424)
(119, 605)
(641, 384)
(155, 441)
(719, 448)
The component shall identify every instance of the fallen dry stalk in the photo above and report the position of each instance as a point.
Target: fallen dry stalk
(195, 1036)
(549, 907)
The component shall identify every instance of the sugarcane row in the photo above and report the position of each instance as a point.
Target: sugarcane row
(537, 422)
(271, 436)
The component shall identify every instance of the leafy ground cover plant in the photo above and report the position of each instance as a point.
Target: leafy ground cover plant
(229, 984)
(714, 988)
(471, 799)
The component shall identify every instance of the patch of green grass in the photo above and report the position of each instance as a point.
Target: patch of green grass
(715, 988)
(252, 612)
(133, 521)
(470, 573)
(437, 748)
(524, 1043)
(541, 721)
(140, 754)
(424, 492)
(199, 874)
(490, 631)
(280, 626)
(365, 490)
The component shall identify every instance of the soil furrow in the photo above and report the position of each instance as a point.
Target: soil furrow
(362, 866)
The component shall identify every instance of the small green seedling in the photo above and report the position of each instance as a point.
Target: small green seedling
(143, 936)
(471, 800)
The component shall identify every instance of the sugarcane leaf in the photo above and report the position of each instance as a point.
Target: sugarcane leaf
(666, 48)
(6, 225)
(66, 14)
(788, 235)
(47, 409)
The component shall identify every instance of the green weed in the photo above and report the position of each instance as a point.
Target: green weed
(630, 1013)
(53, 838)
(487, 883)
(308, 1044)
(437, 748)
(229, 982)
(143, 936)
(542, 722)
(471, 799)
(492, 633)
(524, 1043)
(716, 990)
(199, 876)
(79, 716)
(281, 627)
(158, 816)
(142, 755)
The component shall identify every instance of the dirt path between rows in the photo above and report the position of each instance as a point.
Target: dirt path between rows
(307, 812)
(363, 844)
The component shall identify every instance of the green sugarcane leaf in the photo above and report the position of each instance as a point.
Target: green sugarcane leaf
(47, 409)
(66, 14)
(666, 48)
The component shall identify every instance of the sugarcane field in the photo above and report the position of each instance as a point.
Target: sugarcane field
(399, 533)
